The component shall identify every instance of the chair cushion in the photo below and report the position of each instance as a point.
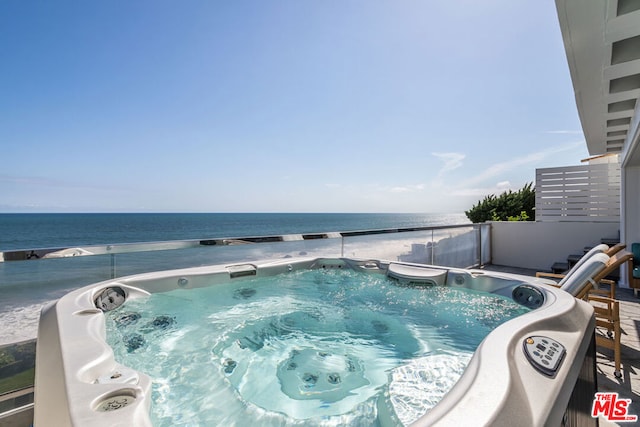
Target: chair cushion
(636, 272)
(584, 275)
(595, 250)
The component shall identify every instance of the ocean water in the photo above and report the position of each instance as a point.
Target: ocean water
(31, 231)
(25, 286)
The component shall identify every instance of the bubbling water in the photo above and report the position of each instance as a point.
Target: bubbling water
(305, 348)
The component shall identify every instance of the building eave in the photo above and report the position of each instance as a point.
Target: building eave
(602, 44)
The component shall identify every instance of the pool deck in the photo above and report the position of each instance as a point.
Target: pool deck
(627, 387)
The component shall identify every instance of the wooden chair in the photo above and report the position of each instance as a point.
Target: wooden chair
(634, 269)
(607, 312)
(593, 283)
(614, 264)
(607, 282)
(611, 293)
(615, 249)
(583, 284)
(602, 248)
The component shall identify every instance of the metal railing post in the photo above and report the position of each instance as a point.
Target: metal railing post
(479, 243)
(433, 249)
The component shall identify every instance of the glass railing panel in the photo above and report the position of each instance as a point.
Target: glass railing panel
(404, 246)
(141, 262)
(17, 372)
(27, 285)
(40, 275)
(450, 247)
(456, 247)
(485, 244)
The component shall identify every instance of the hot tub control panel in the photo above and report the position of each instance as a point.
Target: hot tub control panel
(544, 353)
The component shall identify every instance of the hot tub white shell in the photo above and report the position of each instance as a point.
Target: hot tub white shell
(500, 387)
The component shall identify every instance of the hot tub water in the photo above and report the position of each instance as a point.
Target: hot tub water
(315, 347)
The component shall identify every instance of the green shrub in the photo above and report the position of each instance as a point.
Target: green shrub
(508, 206)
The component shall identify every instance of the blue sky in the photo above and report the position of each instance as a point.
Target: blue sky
(279, 106)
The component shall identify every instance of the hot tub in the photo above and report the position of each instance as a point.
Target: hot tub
(382, 363)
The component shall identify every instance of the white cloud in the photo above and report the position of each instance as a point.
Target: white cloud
(57, 184)
(452, 161)
(406, 188)
(399, 190)
(498, 188)
(529, 159)
(467, 192)
(480, 185)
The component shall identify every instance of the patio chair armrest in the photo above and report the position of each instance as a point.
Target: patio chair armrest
(604, 300)
(550, 275)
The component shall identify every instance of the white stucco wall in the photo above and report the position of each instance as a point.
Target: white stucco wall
(631, 204)
(538, 245)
